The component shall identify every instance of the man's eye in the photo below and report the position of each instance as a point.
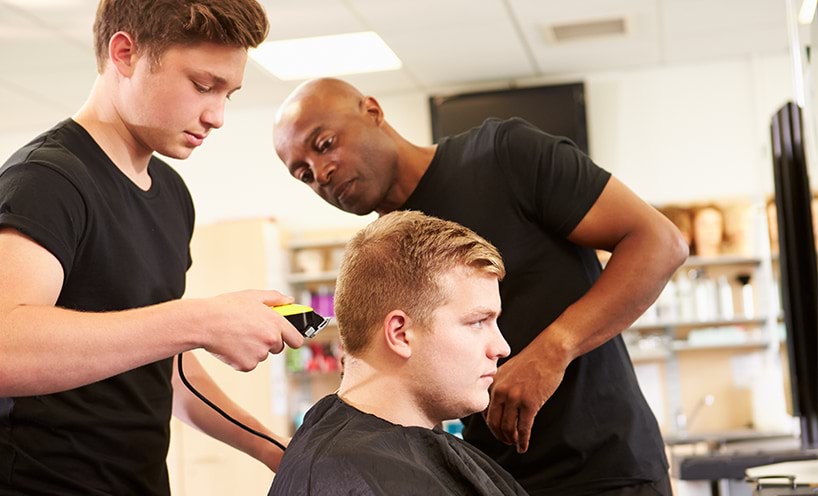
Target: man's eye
(325, 145)
(306, 177)
(201, 88)
(478, 324)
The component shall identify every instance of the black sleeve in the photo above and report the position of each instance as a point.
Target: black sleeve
(554, 180)
(43, 204)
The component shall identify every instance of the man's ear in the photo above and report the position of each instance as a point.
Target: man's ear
(373, 109)
(396, 338)
(122, 53)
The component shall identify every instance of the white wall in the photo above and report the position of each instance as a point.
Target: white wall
(695, 132)
(673, 134)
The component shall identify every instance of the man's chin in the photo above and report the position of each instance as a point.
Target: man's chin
(354, 209)
(176, 154)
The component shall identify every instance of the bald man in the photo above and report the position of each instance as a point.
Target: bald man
(566, 415)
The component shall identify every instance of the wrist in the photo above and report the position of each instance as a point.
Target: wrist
(555, 345)
(194, 321)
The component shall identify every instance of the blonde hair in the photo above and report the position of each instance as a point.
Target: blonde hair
(155, 25)
(395, 263)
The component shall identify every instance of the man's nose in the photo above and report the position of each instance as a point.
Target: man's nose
(498, 347)
(324, 172)
(213, 115)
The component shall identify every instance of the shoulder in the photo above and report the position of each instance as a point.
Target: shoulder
(516, 129)
(340, 450)
(57, 150)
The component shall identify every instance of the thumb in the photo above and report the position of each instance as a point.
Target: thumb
(274, 298)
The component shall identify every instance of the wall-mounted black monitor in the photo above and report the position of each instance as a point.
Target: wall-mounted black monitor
(556, 109)
(799, 266)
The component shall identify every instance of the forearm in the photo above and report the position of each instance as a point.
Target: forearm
(638, 269)
(197, 414)
(45, 349)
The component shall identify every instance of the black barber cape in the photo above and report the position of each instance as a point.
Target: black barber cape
(340, 450)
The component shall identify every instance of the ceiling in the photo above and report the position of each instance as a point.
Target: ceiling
(48, 65)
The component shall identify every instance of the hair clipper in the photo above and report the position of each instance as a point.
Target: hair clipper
(303, 318)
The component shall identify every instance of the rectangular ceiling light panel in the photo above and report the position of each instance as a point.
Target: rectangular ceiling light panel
(325, 56)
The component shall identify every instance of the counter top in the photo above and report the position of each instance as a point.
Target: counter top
(722, 438)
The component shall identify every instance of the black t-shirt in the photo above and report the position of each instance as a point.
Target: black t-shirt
(120, 247)
(340, 450)
(525, 191)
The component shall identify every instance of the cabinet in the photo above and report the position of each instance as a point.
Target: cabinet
(708, 353)
(314, 370)
(231, 256)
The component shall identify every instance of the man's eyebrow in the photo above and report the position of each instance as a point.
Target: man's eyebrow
(311, 137)
(483, 312)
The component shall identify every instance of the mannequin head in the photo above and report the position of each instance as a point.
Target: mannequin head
(708, 230)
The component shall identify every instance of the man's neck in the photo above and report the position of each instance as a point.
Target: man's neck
(413, 163)
(100, 119)
(382, 394)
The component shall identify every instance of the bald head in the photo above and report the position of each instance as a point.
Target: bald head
(336, 140)
(327, 93)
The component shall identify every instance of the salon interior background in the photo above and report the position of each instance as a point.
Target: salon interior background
(678, 106)
(678, 103)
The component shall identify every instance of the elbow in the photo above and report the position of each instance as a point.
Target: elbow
(677, 249)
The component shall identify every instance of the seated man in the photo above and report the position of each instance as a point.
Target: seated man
(417, 301)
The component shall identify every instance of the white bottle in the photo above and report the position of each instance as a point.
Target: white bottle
(747, 301)
(705, 294)
(687, 305)
(726, 309)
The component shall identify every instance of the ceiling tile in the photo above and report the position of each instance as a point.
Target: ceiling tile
(420, 15)
(473, 53)
(307, 18)
(713, 46)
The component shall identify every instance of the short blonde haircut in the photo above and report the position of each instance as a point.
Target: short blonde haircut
(395, 264)
(156, 25)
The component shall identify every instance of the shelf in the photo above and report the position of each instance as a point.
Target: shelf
(318, 243)
(700, 324)
(696, 261)
(660, 354)
(316, 277)
(729, 345)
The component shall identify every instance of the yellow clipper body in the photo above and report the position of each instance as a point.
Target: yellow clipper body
(303, 318)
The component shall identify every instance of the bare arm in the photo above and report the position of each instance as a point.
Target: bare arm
(45, 349)
(646, 250)
(195, 413)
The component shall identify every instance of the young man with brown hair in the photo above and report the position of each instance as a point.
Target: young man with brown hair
(417, 302)
(94, 238)
(566, 415)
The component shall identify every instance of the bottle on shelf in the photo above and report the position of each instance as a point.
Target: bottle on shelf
(323, 301)
(726, 307)
(687, 302)
(705, 295)
(667, 304)
(747, 302)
